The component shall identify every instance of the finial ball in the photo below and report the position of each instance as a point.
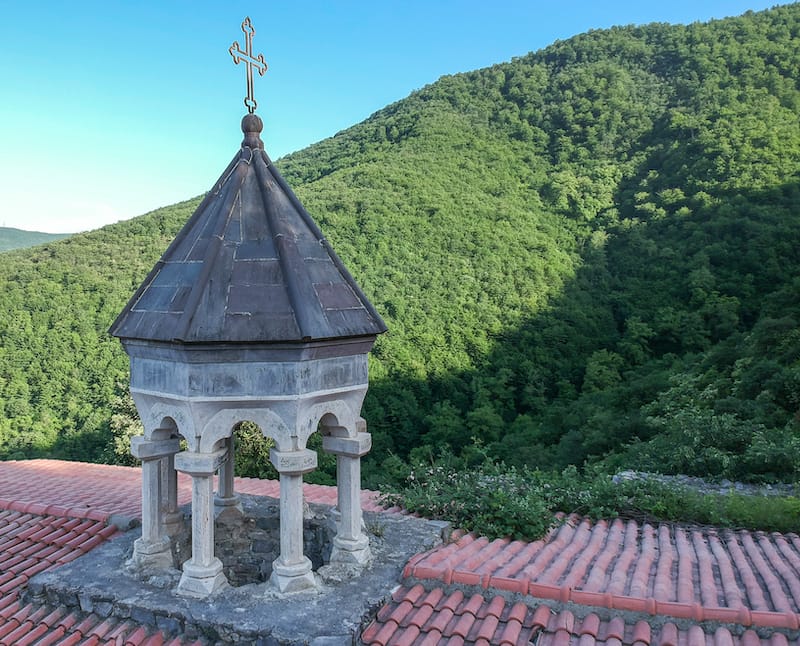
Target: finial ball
(252, 123)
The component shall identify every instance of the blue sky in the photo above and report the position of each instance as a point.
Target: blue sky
(111, 109)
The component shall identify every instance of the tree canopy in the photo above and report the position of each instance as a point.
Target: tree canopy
(588, 254)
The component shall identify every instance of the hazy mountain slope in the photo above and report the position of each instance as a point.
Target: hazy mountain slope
(572, 250)
(11, 238)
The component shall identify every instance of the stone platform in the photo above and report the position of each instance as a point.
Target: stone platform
(253, 613)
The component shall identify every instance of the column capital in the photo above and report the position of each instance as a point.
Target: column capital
(293, 462)
(144, 449)
(200, 464)
(353, 447)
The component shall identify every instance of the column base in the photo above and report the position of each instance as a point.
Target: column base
(355, 552)
(200, 582)
(293, 578)
(173, 523)
(222, 504)
(147, 555)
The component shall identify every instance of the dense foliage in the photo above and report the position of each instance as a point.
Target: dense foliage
(11, 238)
(493, 500)
(588, 254)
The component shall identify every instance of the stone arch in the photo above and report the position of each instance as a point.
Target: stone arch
(335, 417)
(162, 415)
(166, 429)
(221, 425)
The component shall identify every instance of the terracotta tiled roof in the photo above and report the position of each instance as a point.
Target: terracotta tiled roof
(417, 616)
(102, 490)
(698, 574)
(35, 537)
(585, 584)
(64, 516)
(607, 582)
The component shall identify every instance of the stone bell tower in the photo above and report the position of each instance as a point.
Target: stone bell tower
(248, 316)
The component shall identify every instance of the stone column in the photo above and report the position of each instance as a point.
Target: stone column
(351, 544)
(173, 519)
(152, 550)
(226, 496)
(202, 574)
(291, 571)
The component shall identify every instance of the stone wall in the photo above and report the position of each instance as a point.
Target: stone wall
(247, 538)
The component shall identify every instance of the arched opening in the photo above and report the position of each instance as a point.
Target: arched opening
(247, 537)
(251, 449)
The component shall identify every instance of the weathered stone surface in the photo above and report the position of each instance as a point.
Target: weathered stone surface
(252, 613)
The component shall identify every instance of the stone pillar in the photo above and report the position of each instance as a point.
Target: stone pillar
(226, 496)
(291, 571)
(202, 574)
(351, 544)
(152, 550)
(173, 519)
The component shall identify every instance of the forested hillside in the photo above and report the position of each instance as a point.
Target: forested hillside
(590, 253)
(11, 238)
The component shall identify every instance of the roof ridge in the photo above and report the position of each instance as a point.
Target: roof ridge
(41, 509)
(683, 615)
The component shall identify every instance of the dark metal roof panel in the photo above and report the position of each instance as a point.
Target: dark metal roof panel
(250, 265)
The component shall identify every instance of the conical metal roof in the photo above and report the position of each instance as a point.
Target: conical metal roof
(249, 266)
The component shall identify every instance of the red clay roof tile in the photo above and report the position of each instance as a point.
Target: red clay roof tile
(85, 626)
(418, 618)
(406, 637)
(463, 625)
(778, 639)
(26, 634)
(541, 616)
(450, 602)
(432, 599)
(440, 620)
(750, 638)
(590, 625)
(137, 637)
(495, 607)
(615, 629)
(383, 633)
(669, 635)
(51, 637)
(401, 612)
(7, 628)
(104, 627)
(473, 605)
(641, 632)
(70, 640)
(54, 617)
(369, 635)
(431, 638)
(518, 612)
(511, 633)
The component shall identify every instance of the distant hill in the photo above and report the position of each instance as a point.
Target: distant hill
(11, 238)
(588, 254)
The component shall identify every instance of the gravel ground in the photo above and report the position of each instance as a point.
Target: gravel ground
(709, 486)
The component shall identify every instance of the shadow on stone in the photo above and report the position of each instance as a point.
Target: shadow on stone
(249, 610)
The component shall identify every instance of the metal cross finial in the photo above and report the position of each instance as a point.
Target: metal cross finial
(250, 62)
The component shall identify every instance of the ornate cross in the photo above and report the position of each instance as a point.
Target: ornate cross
(250, 62)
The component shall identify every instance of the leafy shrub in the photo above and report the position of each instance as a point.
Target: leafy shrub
(494, 500)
